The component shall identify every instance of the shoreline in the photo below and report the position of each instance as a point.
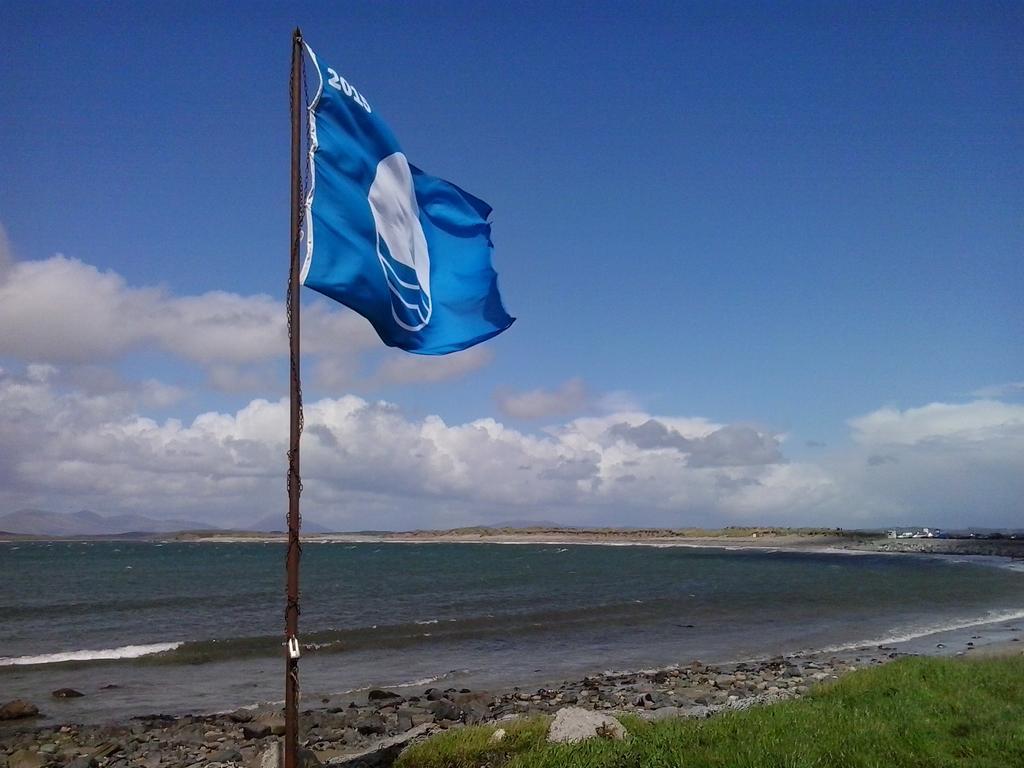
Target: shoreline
(343, 723)
(787, 542)
(340, 727)
(813, 541)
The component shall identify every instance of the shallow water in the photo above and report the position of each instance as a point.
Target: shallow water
(197, 627)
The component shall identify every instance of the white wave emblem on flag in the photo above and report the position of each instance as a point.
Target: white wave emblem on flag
(404, 258)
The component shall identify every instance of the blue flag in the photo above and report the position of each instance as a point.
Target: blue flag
(409, 252)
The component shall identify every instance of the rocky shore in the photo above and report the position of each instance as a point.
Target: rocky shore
(373, 728)
(1012, 548)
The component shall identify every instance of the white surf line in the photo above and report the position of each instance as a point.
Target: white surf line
(103, 654)
(935, 629)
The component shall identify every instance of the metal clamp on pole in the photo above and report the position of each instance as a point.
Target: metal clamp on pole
(293, 647)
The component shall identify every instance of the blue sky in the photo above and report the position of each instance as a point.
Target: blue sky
(781, 215)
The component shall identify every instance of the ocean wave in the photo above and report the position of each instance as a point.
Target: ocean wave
(33, 606)
(103, 654)
(903, 636)
(398, 636)
(417, 683)
(992, 561)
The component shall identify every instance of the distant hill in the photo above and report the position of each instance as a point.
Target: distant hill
(276, 523)
(38, 522)
(526, 524)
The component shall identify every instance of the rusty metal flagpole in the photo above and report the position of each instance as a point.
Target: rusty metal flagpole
(291, 684)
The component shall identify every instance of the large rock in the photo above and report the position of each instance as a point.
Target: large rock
(443, 709)
(17, 709)
(263, 726)
(383, 753)
(270, 757)
(66, 693)
(376, 694)
(25, 759)
(573, 724)
(226, 755)
(256, 730)
(473, 706)
(650, 700)
(370, 724)
(410, 717)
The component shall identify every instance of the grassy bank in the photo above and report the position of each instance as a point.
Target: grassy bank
(914, 712)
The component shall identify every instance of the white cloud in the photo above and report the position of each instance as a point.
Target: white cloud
(40, 373)
(67, 450)
(571, 396)
(103, 380)
(734, 445)
(950, 465)
(976, 421)
(63, 311)
(367, 464)
(73, 432)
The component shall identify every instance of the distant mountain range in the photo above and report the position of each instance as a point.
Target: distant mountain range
(38, 522)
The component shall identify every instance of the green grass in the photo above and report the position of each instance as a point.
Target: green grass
(920, 713)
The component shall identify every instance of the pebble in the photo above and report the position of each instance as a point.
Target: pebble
(244, 736)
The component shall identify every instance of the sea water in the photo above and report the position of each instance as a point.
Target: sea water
(197, 627)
